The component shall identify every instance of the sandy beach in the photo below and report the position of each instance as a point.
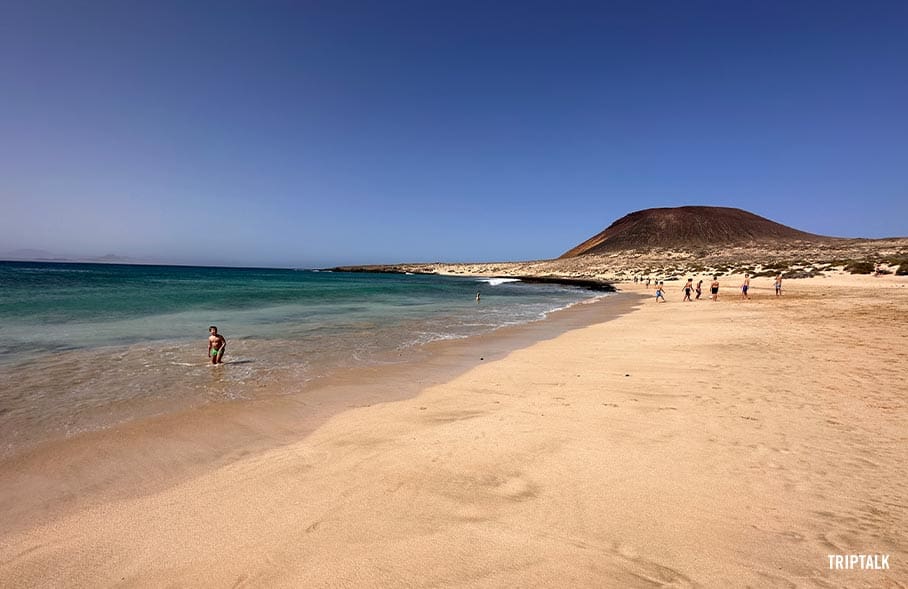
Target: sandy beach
(727, 444)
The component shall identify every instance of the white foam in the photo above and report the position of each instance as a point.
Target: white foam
(497, 281)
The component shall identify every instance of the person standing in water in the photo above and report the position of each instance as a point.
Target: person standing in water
(778, 284)
(477, 297)
(714, 289)
(217, 345)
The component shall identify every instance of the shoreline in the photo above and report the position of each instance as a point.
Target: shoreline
(77, 370)
(589, 283)
(89, 464)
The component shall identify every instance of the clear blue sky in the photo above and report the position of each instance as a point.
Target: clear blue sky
(313, 133)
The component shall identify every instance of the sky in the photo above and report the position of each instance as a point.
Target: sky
(318, 133)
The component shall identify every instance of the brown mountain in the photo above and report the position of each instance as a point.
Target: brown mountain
(688, 227)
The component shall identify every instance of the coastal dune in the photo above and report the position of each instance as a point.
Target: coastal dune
(736, 443)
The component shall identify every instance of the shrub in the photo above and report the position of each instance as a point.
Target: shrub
(855, 267)
(810, 273)
(902, 270)
(768, 274)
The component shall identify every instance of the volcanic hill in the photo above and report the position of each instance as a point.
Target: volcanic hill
(689, 227)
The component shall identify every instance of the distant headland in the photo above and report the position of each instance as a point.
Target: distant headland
(702, 240)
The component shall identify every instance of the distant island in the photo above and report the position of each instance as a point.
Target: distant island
(38, 255)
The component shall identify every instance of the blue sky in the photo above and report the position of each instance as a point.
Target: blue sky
(316, 133)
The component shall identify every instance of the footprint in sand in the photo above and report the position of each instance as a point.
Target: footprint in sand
(517, 489)
(651, 573)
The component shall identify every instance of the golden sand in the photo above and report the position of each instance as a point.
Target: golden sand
(727, 444)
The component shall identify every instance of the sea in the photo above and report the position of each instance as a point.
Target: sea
(88, 346)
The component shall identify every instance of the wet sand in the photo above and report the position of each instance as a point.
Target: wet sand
(736, 443)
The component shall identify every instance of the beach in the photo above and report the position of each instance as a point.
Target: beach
(718, 444)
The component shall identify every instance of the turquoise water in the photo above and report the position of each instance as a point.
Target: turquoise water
(84, 346)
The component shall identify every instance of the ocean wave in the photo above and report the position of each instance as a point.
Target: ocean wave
(422, 338)
(497, 281)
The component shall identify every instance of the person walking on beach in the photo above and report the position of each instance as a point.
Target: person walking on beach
(647, 282)
(217, 345)
(714, 289)
(745, 286)
(660, 293)
(688, 288)
(699, 289)
(778, 284)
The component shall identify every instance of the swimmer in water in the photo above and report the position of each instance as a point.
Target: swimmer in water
(217, 345)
